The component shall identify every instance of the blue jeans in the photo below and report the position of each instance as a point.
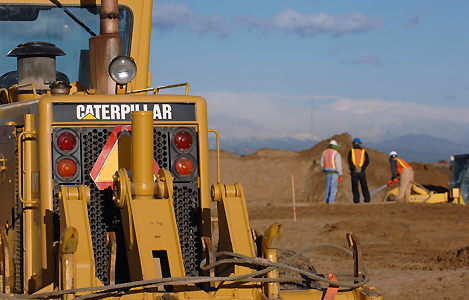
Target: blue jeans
(331, 187)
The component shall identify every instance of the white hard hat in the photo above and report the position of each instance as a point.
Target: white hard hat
(393, 153)
(333, 142)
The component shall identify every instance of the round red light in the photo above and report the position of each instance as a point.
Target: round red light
(183, 140)
(66, 141)
(67, 168)
(184, 166)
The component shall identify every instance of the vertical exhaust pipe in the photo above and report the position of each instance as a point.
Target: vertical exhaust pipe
(104, 48)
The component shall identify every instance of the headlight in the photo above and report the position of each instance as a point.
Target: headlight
(122, 69)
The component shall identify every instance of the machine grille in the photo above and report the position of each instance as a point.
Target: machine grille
(105, 216)
(187, 210)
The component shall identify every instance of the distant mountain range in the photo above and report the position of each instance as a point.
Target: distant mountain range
(421, 148)
(245, 147)
(413, 147)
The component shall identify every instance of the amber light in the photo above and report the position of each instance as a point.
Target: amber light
(66, 141)
(67, 168)
(184, 166)
(183, 140)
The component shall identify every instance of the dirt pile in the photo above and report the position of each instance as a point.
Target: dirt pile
(267, 174)
(411, 250)
(453, 259)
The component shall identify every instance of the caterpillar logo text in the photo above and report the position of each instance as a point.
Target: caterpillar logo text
(120, 111)
(111, 111)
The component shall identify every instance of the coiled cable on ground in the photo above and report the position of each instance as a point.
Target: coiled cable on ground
(238, 259)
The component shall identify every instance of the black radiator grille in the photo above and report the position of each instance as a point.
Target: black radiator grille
(187, 210)
(105, 217)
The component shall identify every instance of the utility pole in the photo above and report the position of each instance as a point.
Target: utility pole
(312, 122)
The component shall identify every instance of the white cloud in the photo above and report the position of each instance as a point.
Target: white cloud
(168, 16)
(291, 21)
(256, 115)
(275, 116)
(376, 119)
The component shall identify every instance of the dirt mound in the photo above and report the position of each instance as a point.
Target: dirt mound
(454, 259)
(408, 248)
(267, 174)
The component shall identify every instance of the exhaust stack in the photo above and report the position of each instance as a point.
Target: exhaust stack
(104, 48)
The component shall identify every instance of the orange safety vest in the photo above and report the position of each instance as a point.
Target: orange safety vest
(329, 158)
(401, 164)
(358, 153)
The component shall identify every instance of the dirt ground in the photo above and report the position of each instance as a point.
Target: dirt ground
(411, 250)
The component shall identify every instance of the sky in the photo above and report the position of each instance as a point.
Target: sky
(311, 69)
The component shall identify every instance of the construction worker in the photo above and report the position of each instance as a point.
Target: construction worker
(358, 161)
(400, 167)
(331, 163)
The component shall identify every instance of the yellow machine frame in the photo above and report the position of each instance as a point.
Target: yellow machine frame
(66, 267)
(419, 194)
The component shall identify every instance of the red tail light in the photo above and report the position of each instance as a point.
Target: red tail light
(184, 166)
(183, 140)
(66, 154)
(66, 141)
(67, 168)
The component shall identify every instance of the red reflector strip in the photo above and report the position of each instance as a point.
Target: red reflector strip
(104, 155)
(332, 289)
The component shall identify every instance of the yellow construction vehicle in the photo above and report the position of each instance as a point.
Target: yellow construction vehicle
(419, 194)
(104, 180)
(458, 186)
(459, 183)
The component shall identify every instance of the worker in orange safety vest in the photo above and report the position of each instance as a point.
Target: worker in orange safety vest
(400, 167)
(331, 163)
(358, 162)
